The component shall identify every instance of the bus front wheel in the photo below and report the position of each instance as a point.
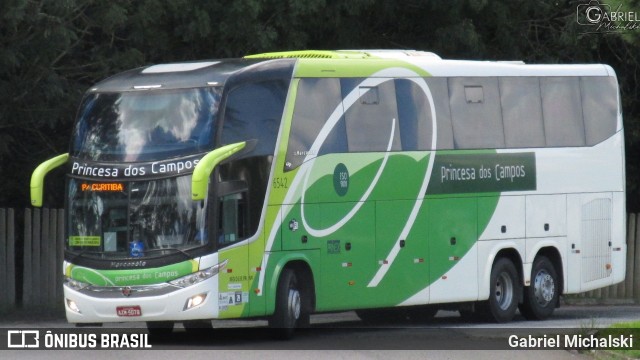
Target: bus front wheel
(290, 311)
(541, 297)
(505, 291)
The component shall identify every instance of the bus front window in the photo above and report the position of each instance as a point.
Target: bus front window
(144, 126)
(134, 219)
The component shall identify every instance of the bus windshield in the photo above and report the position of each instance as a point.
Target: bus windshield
(134, 219)
(146, 125)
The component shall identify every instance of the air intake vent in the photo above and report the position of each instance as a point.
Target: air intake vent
(596, 238)
(311, 54)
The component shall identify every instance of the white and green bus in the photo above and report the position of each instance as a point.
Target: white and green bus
(387, 182)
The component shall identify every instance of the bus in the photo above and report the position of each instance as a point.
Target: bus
(392, 183)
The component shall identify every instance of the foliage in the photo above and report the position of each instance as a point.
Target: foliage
(625, 330)
(51, 51)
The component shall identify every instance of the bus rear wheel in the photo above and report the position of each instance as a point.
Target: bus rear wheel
(290, 311)
(541, 297)
(505, 290)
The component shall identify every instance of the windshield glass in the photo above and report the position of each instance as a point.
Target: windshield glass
(146, 125)
(134, 219)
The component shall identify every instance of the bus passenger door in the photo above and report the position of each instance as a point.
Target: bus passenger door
(234, 280)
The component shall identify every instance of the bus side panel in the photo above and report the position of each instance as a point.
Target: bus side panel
(546, 216)
(234, 282)
(257, 296)
(410, 269)
(618, 237)
(347, 258)
(452, 240)
(506, 220)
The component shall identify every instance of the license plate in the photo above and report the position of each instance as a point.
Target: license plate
(126, 311)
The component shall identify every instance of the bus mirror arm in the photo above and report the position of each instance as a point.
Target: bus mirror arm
(202, 172)
(249, 146)
(37, 178)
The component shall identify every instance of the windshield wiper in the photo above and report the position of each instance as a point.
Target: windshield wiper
(82, 254)
(101, 255)
(186, 254)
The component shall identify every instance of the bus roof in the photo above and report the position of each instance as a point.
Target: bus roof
(193, 74)
(323, 63)
(350, 63)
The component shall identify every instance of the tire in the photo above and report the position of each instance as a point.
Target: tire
(505, 290)
(542, 296)
(291, 311)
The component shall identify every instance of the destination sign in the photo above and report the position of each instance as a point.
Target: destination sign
(129, 171)
(102, 187)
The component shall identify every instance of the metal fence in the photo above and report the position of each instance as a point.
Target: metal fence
(31, 265)
(7, 259)
(43, 251)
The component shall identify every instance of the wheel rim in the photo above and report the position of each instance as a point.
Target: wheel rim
(293, 304)
(543, 288)
(504, 291)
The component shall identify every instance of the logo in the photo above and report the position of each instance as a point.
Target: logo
(341, 179)
(591, 13)
(597, 17)
(126, 291)
(23, 339)
(136, 249)
(128, 264)
(293, 225)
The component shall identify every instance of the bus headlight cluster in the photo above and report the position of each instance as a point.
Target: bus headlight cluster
(75, 284)
(73, 306)
(199, 276)
(194, 301)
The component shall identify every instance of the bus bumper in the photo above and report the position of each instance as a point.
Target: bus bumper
(123, 304)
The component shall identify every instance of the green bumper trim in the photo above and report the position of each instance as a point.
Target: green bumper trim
(37, 178)
(201, 173)
(131, 277)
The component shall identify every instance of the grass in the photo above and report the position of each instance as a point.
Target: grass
(628, 328)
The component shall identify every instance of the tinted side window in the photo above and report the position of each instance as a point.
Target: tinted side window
(254, 111)
(414, 116)
(522, 112)
(439, 88)
(476, 113)
(315, 102)
(599, 107)
(370, 118)
(562, 111)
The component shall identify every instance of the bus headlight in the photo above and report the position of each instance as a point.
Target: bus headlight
(194, 301)
(73, 306)
(199, 276)
(75, 284)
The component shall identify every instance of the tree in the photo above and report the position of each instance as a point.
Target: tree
(51, 51)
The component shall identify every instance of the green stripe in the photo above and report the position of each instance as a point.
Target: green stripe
(133, 276)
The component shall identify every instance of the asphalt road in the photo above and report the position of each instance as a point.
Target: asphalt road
(343, 335)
